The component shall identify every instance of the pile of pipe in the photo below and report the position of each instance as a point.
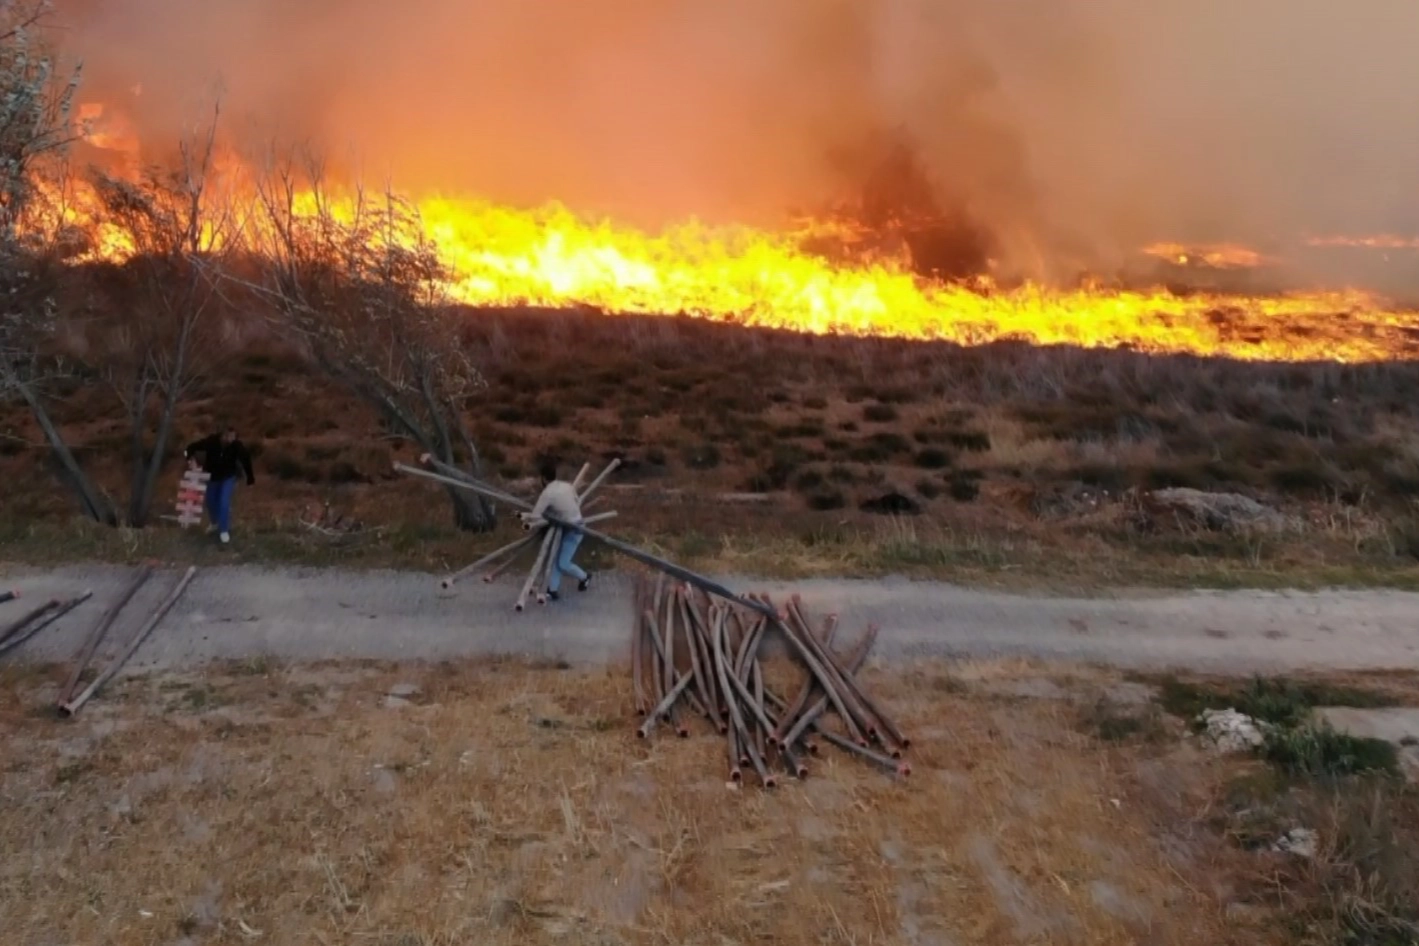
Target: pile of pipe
(693, 655)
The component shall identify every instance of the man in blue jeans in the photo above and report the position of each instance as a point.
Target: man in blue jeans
(559, 498)
(223, 456)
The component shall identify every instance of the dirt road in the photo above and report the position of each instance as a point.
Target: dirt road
(308, 614)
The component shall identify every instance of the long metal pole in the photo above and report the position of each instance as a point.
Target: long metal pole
(63, 609)
(86, 653)
(534, 571)
(493, 556)
(33, 615)
(586, 493)
(72, 706)
(475, 487)
(463, 476)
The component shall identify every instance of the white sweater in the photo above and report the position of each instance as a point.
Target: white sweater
(560, 500)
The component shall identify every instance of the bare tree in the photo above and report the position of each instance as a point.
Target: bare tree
(36, 127)
(362, 287)
(158, 332)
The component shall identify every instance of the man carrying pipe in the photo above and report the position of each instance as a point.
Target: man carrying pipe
(223, 457)
(560, 500)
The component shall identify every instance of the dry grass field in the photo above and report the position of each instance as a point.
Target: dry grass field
(1000, 464)
(506, 803)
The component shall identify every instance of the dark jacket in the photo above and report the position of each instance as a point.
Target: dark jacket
(222, 460)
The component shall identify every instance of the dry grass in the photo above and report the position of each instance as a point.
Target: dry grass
(511, 804)
(1019, 461)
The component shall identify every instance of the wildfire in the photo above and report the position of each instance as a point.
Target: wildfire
(1380, 242)
(1217, 256)
(550, 257)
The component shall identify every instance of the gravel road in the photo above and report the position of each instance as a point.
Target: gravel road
(319, 614)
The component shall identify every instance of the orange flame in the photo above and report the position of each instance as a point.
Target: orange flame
(501, 256)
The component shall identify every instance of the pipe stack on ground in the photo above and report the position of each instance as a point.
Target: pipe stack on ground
(544, 538)
(692, 655)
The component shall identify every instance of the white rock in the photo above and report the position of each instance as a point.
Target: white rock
(1232, 731)
(1301, 842)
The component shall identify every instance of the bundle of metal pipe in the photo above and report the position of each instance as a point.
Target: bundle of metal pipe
(544, 537)
(692, 655)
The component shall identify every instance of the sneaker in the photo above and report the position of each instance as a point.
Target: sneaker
(225, 537)
(554, 596)
(584, 584)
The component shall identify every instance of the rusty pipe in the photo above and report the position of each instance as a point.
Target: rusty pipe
(510, 549)
(638, 651)
(846, 695)
(587, 493)
(35, 614)
(895, 766)
(663, 708)
(532, 572)
(580, 476)
(695, 669)
(830, 626)
(824, 680)
(18, 638)
(96, 636)
(72, 706)
(810, 717)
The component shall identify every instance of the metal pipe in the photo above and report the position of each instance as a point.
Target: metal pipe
(86, 652)
(638, 650)
(72, 706)
(866, 702)
(668, 652)
(453, 472)
(810, 718)
(695, 669)
(554, 552)
(824, 679)
(732, 680)
(596, 483)
(892, 765)
(846, 695)
(474, 487)
(532, 573)
(663, 707)
(509, 549)
(581, 475)
(830, 627)
(19, 638)
(670, 568)
(700, 633)
(497, 570)
(33, 615)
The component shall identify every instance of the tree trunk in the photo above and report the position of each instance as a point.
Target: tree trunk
(471, 513)
(145, 483)
(93, 504)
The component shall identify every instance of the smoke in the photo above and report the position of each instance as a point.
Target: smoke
(1072, 130)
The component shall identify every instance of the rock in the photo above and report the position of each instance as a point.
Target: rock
(404, 690)
(891, 504)
(1301, 842)
(1232, 731)
(1224, 512)
(396, 702)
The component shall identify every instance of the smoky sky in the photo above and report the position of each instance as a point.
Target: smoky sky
(1067, 126)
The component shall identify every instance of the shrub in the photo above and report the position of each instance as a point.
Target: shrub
(975, 441)
(808, 480)
(879, 413)
(1321, 750)
(825, 501)
(964, 489)
(928, 489)
(933, 458)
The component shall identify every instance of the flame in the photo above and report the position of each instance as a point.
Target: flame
(1217, 256)
(1379, 242)
(550, 257)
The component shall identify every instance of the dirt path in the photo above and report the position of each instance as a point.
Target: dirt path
(310, 614)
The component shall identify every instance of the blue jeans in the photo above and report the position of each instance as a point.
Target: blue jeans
(219, 502)
(565, 565)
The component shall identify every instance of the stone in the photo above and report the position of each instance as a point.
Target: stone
(1302, 842)
(1232, 731)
